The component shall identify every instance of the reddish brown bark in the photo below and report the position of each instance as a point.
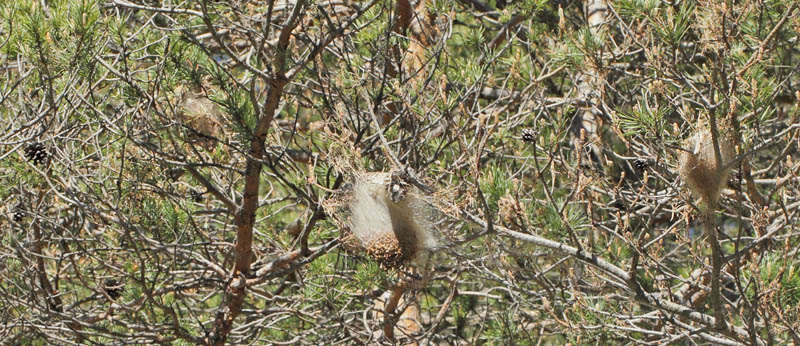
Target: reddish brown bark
(245, 218)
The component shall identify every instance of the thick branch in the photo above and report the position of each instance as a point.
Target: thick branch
(245, 219)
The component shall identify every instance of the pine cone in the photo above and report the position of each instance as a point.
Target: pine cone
(528, 135)
(641, 164)
(196, 196)
(36, 153)
(733, 180)
(113, 288)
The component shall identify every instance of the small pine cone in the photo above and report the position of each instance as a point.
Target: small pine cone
(641, 164)
(528, 135)
(196, 196)
(18, 212)
(36, 153)
(733, 181)
(113, 288)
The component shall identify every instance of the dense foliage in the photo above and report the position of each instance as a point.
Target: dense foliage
(595, 172)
